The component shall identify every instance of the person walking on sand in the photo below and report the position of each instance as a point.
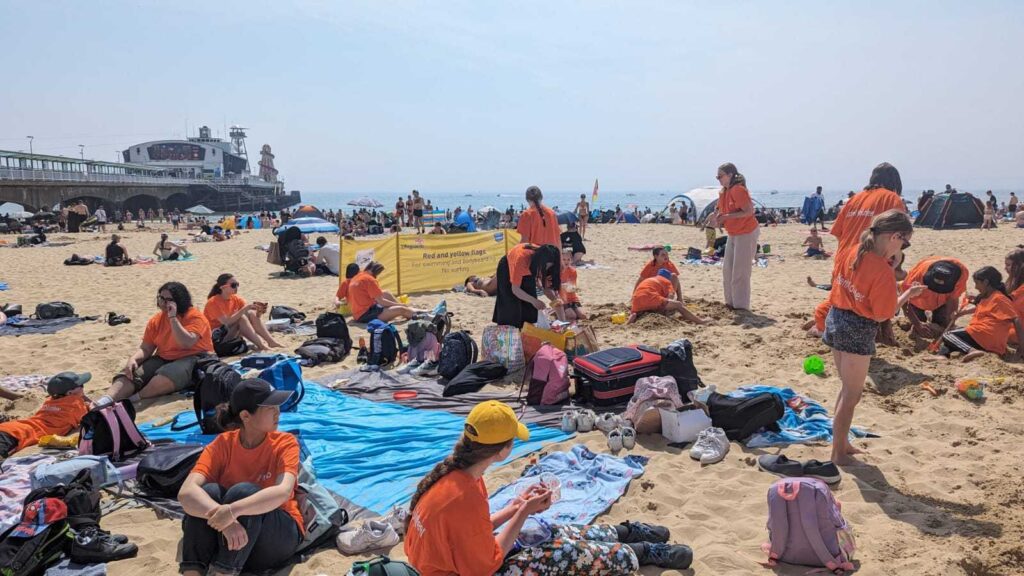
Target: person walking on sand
(735, 211)
(864, 294)
(583, 215)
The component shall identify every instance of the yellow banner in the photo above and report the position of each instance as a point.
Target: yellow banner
(424, 263)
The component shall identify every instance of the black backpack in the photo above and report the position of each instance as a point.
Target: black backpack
(20, 556)
(50, 310)
(76, 260)
(677, 362)
(332, 325)
(226, 348)
(741, 417)
(162, 471)
(216, 382)
(111, 430)
(278, 312)
(458, 350)
(11, 310)
(321, 350)
(385, 343)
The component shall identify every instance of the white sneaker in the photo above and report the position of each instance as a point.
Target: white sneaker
(702, 444)
(372, 535)
(700, 395)
(719, 446)
(628, 438)
(569, 421)
(397, 517)
(615, 440)
(428, 368)
(408, 368)
(585, 421)
(607, 422)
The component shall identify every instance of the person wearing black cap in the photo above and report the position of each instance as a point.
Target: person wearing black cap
(60, 414)
(945, 280)
(239, 499)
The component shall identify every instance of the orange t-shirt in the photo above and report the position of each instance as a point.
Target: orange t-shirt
(651, 294)
(1017, 296)
(343, 290)
(731, 200)
(217, 307)
(363, 290)
(158, 333)
(568, 275)
(820, 313)
(540, 228)
(650, 270)
(991, 323)
(520, 257)
(226, 462)
(55, 416)
(869, 291)
(929, 300)
(450, 531)
(856, 215)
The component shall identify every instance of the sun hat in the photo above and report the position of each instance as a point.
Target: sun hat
(494, 422)
(61, 384)
(664, 273)
(942, 277)
(252, 393)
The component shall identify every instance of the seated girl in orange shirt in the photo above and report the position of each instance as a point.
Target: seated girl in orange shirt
(655, 295)
(661, 261)
(993, 317)
(341, 296)
(569, 308)
(231, 317)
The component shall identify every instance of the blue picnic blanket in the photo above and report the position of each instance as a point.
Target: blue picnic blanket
(371, 453)
(21, 325)
(804, 421)
(590, 483)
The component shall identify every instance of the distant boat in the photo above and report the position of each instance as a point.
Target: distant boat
(630, 194)
(774, 192)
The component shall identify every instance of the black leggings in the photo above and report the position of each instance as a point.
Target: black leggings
(273, 537)
(8, 445)
(958, 341)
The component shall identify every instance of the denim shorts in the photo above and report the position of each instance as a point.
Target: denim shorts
(848, 332)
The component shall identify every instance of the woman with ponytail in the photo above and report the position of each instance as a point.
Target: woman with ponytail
(864, 294)
(994, 316)
(239, 500)
(232, 318)
(881, 194)
(450, 528)
(520, 273)
(735, 212)
(1015, 284)
(538, 223)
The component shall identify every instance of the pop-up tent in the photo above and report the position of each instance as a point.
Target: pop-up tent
(711, 208)
(951, 211)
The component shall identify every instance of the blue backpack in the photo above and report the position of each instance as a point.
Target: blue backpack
(385, 343)
(286, 374)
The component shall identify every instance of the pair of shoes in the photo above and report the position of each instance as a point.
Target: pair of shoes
(113, 319)
(397, 517)
(779, 464)
(409, 367)
(578, 420)
(642, 532)
(676, 556)
(623, 437)
(428, 368)
(607, 422)
(711, 446)
(372, 535)
(92, 545)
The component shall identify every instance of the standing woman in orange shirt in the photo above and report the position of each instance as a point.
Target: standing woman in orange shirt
(735, 211)
(538, 223)
(864, 294)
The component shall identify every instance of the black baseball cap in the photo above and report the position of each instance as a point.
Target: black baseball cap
(61, 384)
(252, 393)
(942, 276)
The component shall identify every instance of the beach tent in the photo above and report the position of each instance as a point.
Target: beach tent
(465, 221)
(308, 210)
(950, 211)
(199, 209)
(565, 217)
(711, 208)
(682, 202)
(630, 218)
(243, 222)
(309, 225)
(703, 196)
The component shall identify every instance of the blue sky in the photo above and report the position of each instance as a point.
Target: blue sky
(485, 95)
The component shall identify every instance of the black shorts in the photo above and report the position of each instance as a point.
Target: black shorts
(846, 331)
(371, 314)
(417, 213)
(572, 305)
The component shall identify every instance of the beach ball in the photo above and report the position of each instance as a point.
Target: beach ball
(814, 365)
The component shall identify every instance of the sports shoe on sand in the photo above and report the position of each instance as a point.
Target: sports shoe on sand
(372, 535)
(615, 440)
(780, 465)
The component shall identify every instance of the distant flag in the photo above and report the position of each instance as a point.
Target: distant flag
(593, 197)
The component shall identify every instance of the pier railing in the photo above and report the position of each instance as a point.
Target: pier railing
(86, 178)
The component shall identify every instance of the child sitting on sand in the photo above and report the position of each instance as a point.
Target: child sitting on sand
(660, 261)
(569, 307)
(60, 414)
(656, 295)
(341, 296)
(814, 245)
(993, 316)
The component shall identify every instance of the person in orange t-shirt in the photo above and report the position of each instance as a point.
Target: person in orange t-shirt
(450, 530)
(815, 327)
(174, 339)
(735, 211)
(864, 294)
(660, 261)
(341, 296)
(368, 302)
(656, 295)
(994, 315)
(946, 280)
(538, 223)
(239, 500)
(525, 270)
(568, 308)
(231, 317)
(60, 414)
(1014, 265)
(881, 194)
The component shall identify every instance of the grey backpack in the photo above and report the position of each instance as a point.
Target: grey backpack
(806, 526)
(321, 514)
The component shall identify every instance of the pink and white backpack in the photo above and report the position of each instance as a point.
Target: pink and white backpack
(806, 526)
(547, 377)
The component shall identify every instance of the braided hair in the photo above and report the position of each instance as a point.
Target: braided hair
(534, 196)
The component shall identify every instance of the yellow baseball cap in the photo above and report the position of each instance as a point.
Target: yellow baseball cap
(494, 422)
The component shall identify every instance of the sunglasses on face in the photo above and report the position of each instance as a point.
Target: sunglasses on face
(233, 284)
(160, 299)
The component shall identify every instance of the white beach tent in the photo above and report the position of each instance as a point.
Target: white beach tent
(199, 209)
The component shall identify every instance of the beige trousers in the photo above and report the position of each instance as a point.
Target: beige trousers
(737, 267)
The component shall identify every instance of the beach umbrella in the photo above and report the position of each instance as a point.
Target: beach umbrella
(307, 210)
(44, 215)
(309, 225)
(487, 209)
(199, 209)
(365, 202)
(565, 217)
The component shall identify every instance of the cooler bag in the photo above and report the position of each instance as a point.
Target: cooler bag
(608, 377)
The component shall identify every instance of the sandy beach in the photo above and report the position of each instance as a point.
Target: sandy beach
(940, 492)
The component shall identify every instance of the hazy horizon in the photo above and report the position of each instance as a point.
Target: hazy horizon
(487, 96)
